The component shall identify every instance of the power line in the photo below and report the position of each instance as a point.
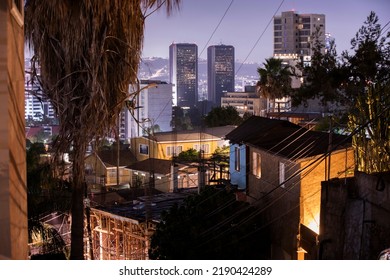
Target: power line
(316, 162)
(259, 38)
(219, 23)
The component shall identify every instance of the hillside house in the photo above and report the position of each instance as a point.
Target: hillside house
(122, 231)
(279, 167)
(165, 145)
(101, 168)
(163, 175)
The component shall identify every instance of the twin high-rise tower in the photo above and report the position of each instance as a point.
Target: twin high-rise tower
(220, 72)
(183, 73)
(183, 70)
(293, 39)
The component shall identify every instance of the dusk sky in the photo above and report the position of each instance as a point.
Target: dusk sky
(246, 20)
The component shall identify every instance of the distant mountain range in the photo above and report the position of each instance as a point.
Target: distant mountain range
(157, 68)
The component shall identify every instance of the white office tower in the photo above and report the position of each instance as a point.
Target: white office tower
(153, 110)
(36, 107)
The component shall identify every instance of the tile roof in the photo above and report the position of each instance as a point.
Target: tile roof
(160, 166)
(159, 203)
(33, 131)
(284, 138)
(193, 135)
(109, 157)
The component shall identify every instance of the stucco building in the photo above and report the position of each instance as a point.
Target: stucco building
(13, 187)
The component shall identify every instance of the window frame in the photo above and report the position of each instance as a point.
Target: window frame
(237, 159)
(256, 164)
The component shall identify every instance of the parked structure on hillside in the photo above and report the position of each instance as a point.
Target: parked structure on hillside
(162, 175)
(123, 231)
(166, 145)
(102, 168)
(279, 167)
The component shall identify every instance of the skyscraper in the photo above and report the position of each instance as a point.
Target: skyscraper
(220, 72)
(293, 33)
(183, 73)
(36, 106)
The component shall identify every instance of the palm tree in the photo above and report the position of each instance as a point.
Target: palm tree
(88, 53)
(275, 79)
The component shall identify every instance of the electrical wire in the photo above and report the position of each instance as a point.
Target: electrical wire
(316, 162)
(215, 29)
(259, 38)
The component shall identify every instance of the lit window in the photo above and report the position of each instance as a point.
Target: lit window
(174, 151)
(282, 175)
(237, 158)
(256, 160)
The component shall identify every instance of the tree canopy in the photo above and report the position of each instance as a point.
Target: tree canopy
(207, 226)
(221, 116)
(189, 155)
(87, 54)
(361, 82)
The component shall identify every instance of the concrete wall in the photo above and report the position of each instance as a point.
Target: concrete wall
(13, 189)
(286, 203)
(311, 180)
(355, 220)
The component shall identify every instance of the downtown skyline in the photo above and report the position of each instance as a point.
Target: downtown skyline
(248, 24)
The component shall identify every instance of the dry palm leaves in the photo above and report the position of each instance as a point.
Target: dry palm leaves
(88, 53)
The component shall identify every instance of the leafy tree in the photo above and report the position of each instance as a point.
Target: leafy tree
(368, 88)
(207, 226)
(221, 155)
(189, 155)
(246, 116)
(180, 120)
(322, 78)
(221, 116)
(361, 82)
(46, 194)
(88, 53)
(195, 116)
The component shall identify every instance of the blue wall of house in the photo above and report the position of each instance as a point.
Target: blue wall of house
(238, 177)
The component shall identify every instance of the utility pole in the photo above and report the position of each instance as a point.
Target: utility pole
(327, 173)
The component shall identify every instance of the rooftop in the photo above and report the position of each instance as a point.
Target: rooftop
(284, 138)
(191, 135)
(109, 157)
(136, 209)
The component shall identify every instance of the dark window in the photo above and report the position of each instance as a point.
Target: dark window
(143, 149)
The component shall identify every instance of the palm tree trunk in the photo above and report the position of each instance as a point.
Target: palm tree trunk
(77, 209)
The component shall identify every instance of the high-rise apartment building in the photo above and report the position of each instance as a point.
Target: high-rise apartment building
(183, 74)
(36, 107)
(220, 72)
(293, 33)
